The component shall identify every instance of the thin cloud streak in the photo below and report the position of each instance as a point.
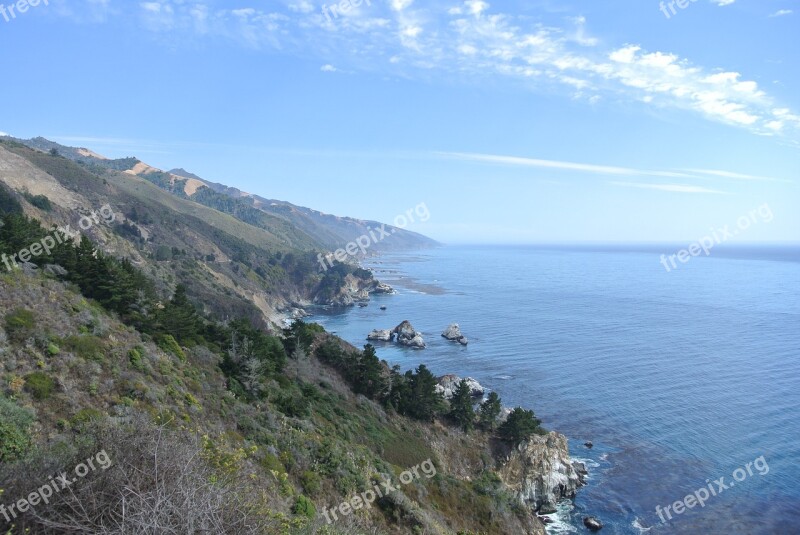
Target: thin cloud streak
(672, 188)
(555, 164)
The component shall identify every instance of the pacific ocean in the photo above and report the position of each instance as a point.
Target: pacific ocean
(678, 378)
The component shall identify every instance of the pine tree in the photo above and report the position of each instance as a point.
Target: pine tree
(461, 410)
(423, 402)
(489, 411)
(369, 375)
(521, 424)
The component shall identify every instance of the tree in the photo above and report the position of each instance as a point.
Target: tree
(422, 401)
(369, 378)
(489, 411)
(521, 424)
(461, 410)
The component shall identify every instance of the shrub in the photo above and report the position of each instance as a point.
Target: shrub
(53, 349)
(304, 507)
(311, 482)
(168, 344)
(85, 416)
(40, 385)
(136, 359)
(39, 201)
(19, 324)
(88, 347)
(14, 424)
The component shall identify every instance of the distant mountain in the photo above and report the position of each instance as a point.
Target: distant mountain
(329, 231)
(238, 260)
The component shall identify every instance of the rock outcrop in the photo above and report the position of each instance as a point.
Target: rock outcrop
(353, 290)
(447, 385)
(539, 472)
(592, 523)
(407, 336)
(453, 333)
(380, 335)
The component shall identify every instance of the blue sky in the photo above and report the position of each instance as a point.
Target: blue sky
(530, 121)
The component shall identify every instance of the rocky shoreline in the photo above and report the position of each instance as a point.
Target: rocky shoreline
(539, 471)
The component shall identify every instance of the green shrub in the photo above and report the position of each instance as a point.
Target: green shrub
(135, 356)
(39, 201)
(310, 481)
(19, 324)
(53, 349)
(304, 507)
(40, 385)
(168, 344)
(85, 416)
(88, 347)
(272, 463)
(15, 423)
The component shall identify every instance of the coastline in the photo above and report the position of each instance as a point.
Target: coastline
(534, 469)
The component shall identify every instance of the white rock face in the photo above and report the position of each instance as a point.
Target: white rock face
(453, 333)
(381, 335)
(407, 336)
(539, 472)
(449, 383)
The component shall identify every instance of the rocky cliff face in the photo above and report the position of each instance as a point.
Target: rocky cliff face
(539, 472)
(354, 290)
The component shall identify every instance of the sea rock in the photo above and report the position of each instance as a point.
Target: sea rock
(504, 413)
(453, 333)
(381, 288)
(539, 472)
(580, 469)
(588, 444)
(448, 384)
(407, 336)
(592, 523)
(381, 335)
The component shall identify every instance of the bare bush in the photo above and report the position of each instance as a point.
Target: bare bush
(159, 483)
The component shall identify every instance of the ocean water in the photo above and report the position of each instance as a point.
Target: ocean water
(678, 378)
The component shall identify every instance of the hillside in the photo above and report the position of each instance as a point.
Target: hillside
(260, 269)
(138, 335)
(328, 231)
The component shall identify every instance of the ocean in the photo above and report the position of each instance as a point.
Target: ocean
(678, 378)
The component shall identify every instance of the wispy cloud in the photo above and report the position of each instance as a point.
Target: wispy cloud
(782, 13)
(736, 176)
(672, 188)
(555, 164)
(473, 38)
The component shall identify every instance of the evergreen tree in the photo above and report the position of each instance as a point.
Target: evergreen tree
(422, 402)
(461, 410)
(521, 424)
(489, 411)
(369, 375)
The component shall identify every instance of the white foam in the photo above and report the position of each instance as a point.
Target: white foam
(638, 526)
(561, 519)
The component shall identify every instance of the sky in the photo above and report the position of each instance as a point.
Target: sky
(534, 121)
